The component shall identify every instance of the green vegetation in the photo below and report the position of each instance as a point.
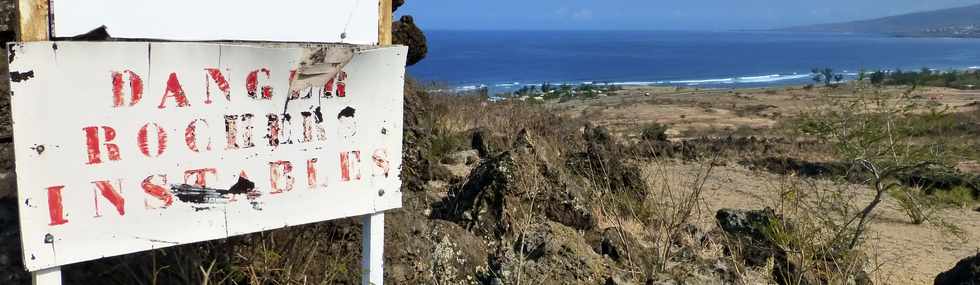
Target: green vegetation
(959, 196)
(967, 80)
(654, 132)
(827, 76)
(917, 204)
(563, 92)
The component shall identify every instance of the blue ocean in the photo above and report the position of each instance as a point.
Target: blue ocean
(505, 60)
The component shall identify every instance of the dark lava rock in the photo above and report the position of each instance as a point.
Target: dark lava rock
(624, 248)
(405, 32)
(752, 224)
(965, 272)
(791, 166)
(419, 250)
(940, 178)
(480, 141)
(481, 200)
(605, 161)
(752, 231)
(552, 253)
(499, 188)
(11, 266)
(568, 206)
(417, 143)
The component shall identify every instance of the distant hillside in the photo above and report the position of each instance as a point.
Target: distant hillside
(954, 22)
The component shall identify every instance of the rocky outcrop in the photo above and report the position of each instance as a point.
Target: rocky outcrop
(624, 248)
(405, 32)
(753, 232)
(497, 190)
(421, 250)
(480, 141)
(965, 272)
(11, 266)
(416, 167)
(605, 161)
(395, 4)
(549, 252)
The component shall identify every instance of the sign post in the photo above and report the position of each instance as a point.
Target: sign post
(372, 259)
(128, 146)
(373, 231)
(33, 25)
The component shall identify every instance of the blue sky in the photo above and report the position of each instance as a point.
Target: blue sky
(652, 14)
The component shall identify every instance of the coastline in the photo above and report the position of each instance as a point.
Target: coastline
(471, 60)
(737, 82)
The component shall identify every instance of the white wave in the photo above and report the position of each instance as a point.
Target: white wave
(512, 84)
(764, 77)
(470, 87)
(689, 82)
(741, 80)
(973, 67)
(695, 82)
(770, 78)
(703, 81)
(637, 83)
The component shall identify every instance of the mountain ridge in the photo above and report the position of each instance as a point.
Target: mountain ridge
(951, 22)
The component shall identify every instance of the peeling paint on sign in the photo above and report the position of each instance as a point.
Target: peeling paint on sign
(319, 66)
(17, 76)
(159, 144)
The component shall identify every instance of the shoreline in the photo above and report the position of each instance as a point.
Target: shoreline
(734, 82)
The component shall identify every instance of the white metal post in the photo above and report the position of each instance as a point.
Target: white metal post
(50, 276)
(372, 249)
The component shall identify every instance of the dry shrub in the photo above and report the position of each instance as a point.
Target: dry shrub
(323, 253)
(815, 232)
(456, 116)
(675, 205)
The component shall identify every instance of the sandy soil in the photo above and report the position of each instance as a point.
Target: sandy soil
(694, 112)
(908, 254)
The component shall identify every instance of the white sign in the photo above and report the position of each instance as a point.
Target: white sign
(124, 147)
(347, 21)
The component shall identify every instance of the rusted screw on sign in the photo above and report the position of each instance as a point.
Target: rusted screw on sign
(381, 192)
(48, 238)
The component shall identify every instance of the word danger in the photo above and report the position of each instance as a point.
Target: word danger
(106, 144)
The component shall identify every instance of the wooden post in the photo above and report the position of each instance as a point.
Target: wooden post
(33, 25)
(384, 23)
(33, 21)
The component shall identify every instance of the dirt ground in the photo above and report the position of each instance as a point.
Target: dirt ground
(908, 254)
(696, 112)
